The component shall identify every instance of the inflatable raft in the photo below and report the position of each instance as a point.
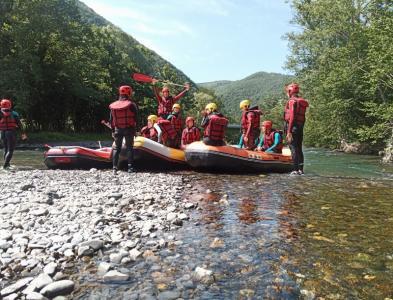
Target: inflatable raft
(232, 159)
(147, 154)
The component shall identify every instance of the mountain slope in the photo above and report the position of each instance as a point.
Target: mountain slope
(262, 88)
(70, 62)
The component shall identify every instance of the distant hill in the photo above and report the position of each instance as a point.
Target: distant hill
(262, 88)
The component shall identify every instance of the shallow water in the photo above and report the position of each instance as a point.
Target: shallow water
(326, 234)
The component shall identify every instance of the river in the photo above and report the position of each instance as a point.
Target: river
(325, 234)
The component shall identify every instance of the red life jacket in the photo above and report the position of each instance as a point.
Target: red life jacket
(253, 116)
(122, 115)
(190, 135)
(215, 130)
(165, 105)
(268, 140)
(8, 121)
(176, 122)
(300, 107)
(167, 128)
(150, 133)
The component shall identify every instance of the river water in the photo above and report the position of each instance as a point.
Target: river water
(327, 234)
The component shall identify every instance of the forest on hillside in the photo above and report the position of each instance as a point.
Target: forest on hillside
(61, 65)
(343, 59)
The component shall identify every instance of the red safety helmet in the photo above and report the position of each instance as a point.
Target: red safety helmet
(292, 88)
(5, 103)
(125, 90)
(267, 124)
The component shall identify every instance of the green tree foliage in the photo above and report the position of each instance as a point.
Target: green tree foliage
(343, 58)
(264, 89)
(61, 64)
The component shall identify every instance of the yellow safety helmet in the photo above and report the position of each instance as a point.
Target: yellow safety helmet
(152, 118)
(211, 106)
(176, 105)
(245, 103)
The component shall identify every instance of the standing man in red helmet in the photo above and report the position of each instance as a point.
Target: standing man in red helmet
(9, 123)
(295, 117)
(166, 101)
(123, 119)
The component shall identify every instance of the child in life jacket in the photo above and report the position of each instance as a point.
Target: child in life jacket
(149, 131)
(190, 134)
(271, 140)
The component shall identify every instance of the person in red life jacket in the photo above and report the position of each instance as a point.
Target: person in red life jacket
(295, 117)
(177, 123)
(123, 119)
(250, 125)
(190, 134)
(150, 131)
(166, 101)
(214, 124)
(9, 123)
(271, 140)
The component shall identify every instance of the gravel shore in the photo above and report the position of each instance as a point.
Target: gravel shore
(53, 221)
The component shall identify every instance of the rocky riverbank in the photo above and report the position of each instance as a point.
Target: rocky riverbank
(55, 222)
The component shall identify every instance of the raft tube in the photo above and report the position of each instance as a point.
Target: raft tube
(147, 154)
(153, 155)
(75, 157)
(233, 159)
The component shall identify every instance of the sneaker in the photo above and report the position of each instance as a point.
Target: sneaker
(6, 166)
(114, 171)
(293, 173)
(131, 170)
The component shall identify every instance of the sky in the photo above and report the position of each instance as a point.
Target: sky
(207, 39)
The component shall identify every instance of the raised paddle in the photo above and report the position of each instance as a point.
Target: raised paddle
(148, 79)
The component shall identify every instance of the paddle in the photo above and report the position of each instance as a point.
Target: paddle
(148, 79)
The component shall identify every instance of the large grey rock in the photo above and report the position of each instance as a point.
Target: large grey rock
(58, 288)
(21, 283)
(115, 276)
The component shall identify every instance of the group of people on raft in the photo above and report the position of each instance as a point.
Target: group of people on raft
(167, 126)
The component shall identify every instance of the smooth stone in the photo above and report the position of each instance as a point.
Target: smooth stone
(39, 212)
(169, 295)
(50, 268)
(171, 216)
(115, 276)
(5, 235)
(135, 254)
(201, 272)
(4, 245)
(183, 216)
(103, 268)
(39, 282)
(95, 244)
(58, 288)
(35, 296)
(85, 251)
(21, 283)
(11, 297)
